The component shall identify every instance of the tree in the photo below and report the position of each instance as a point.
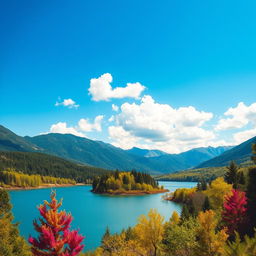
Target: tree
(149, 231)
(175, 218)
(184, 213)
(254, 153)
(106, 235)
(11, 243)
(231, 176)
(55, 237)
(239, 248)
(234, 211)
(251, 195)
(206, 205)
(180, 239)
(241, 178)
(210, 242)
(216, 193)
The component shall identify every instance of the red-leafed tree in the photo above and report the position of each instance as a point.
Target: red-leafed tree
(55, 237)
(234, 211)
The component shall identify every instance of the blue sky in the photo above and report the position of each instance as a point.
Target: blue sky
(185, 53)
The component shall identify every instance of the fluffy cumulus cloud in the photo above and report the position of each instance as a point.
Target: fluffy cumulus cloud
(101, 89)
(160, 126)
(85, 125)
(242, 136)
(67, 103)
(61, 127)
(238, 117)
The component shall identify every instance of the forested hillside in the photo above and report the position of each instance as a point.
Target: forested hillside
(240, 154)
(47, 165)
(104, 155)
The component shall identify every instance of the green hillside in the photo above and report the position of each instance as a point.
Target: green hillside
(103, 155)
(95, 153)
(240, 154)
(9, 141)
(46, 165)
(208, 174)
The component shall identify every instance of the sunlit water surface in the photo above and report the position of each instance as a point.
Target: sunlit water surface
(92, 212)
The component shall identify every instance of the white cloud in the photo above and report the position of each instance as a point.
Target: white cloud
(67, 103)
(62, 128)
(111, 119)
(115, 108)
(240, 116)
(101, 89)
(160, 126)
(122, 138)
(240, 137)
(86, 126)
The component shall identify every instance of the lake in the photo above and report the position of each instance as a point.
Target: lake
(92, 212)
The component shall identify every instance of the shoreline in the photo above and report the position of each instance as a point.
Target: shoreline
(132, 192)
(13, 188)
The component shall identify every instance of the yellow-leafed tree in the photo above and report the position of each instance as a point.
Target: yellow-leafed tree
(210, 242)
(216, 193)
(149, 231)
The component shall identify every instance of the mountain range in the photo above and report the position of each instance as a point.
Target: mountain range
(104, 155)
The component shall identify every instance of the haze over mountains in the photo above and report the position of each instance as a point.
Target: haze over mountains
(104, 155)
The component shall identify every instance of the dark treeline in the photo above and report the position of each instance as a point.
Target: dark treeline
(123, 181)
(46, 165)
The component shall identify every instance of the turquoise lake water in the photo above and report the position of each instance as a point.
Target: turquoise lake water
(93, 213)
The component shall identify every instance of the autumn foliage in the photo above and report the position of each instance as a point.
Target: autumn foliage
(234, 210)
(55, 237)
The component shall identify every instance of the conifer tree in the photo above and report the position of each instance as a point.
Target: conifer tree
(234, 211)
(241, 178)
(184, 213)
(11, 243)
(106, 235)
(206, 205)
(231, 176)
(55, 237)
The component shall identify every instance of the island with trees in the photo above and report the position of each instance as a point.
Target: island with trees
(126, 183)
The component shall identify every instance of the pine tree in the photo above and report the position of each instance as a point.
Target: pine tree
(184, 213)
(11, 243)
(231, 176)
(55, 237)
(106, 235)
(241, 178)
(206, 205)
(233, 214)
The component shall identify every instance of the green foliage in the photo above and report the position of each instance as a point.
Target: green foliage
(46, 165)
(254, 153)
(206, 205)
(241, 248)
(11, 243)
(231, 176)
(123, 181)
(180, 240)
(251, 195)
(240, 154)
(184, 213)
(206, 174)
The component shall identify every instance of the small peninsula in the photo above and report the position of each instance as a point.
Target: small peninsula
(126, 183)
